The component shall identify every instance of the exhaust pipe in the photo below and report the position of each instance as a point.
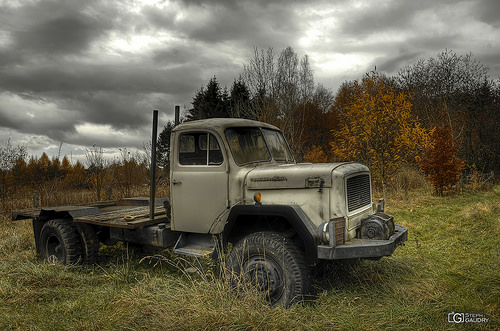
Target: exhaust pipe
(177, 115)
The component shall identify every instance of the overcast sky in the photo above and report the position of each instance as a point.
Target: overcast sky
(85, 72)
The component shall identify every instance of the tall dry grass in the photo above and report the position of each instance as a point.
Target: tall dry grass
(449, 264)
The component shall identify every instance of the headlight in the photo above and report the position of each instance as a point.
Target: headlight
(332, 232)
(326, 233)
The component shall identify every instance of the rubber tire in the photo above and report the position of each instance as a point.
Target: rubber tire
(272, 264)
(89, 241)
(60, 243)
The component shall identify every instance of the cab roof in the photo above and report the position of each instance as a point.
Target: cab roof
(220, 124)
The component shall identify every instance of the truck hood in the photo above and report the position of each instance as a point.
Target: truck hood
(303, 175)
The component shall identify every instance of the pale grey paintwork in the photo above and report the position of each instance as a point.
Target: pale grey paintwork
(203, 196)
(318, 189)
(220, 124)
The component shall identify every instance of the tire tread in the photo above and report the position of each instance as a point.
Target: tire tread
(89, 242)
(275, 244)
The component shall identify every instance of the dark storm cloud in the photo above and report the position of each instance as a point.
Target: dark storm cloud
(399, 33)
(488, 11)
(377, 26)
(247, 23)
(67, 35)
(490, 60)
(37, 116)
(375, 17)
(391, 15)
(50, 27)
(409, 53)
(7, 121)
(396, 62)
(113, 94)
(76, 77)
(178, 55)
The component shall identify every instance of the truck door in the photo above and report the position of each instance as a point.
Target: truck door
(199, 187)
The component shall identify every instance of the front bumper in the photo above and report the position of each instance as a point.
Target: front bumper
(364, 248)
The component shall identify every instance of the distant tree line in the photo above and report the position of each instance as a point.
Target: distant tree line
(444, 105)
(21, 175)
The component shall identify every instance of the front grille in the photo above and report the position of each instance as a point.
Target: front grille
(358, 192)
(339, 231)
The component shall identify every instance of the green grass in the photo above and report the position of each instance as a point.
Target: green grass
(451, 263)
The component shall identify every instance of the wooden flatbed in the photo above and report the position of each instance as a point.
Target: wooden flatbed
(128, 213)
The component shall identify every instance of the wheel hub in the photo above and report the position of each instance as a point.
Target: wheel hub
(54, 249)
(264, 275)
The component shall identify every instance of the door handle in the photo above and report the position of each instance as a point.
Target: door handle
(175, 182)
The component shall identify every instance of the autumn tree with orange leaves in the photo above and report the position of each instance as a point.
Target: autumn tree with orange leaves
(378, 129)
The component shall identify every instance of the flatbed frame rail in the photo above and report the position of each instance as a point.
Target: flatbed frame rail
(121, 214)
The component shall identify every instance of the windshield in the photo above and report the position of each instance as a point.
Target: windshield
(249, 145)
(278, 146)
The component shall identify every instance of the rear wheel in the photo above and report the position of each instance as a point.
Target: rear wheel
(271, 264)
(89, 241)
(60, 243)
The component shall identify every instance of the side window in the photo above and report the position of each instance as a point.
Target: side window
(199, 148)
(214, 153)
(186, 144)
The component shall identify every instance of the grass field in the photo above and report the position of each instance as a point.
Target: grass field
(450, 264)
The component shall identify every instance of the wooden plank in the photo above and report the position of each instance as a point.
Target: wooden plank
(113, 218)
(74, 211)
(140, 217)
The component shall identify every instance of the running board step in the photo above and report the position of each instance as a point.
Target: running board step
(195, 244)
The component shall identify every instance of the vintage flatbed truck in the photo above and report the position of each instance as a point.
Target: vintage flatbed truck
(234, 183)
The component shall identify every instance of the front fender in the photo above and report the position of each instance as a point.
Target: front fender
(293, 214)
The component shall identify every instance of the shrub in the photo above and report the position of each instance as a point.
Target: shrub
(440, 161)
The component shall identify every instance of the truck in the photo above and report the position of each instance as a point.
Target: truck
(236, 191)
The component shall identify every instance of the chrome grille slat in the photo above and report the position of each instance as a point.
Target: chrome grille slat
(358, 192)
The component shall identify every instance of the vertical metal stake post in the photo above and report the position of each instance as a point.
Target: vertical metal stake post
(153, 166)
(177, 115)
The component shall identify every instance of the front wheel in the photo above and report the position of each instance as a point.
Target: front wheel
(60, 243)
(271, 264)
